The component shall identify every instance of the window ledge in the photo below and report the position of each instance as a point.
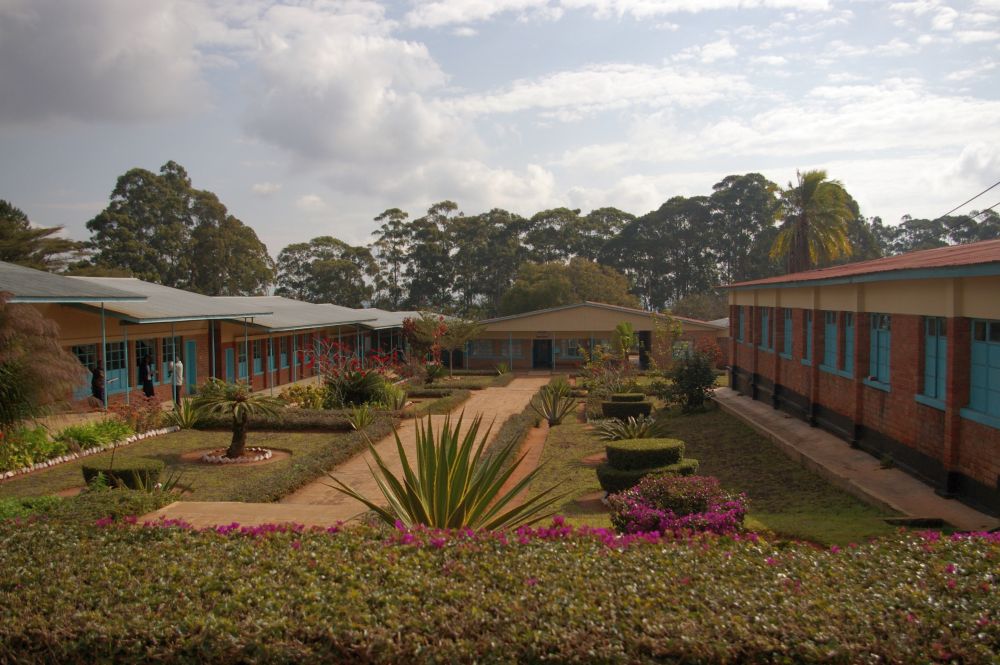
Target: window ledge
(932, 402)
(828, 369)
(766, 349)
(981, 418)
(845, 373)
(878, 385)
(807, 362)
(786, 356)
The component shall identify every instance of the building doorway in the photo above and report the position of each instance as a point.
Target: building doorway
(541, 354)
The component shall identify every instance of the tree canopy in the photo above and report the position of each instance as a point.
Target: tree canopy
(544, 285)
(36, 247)
(326, 270)
(816, 214)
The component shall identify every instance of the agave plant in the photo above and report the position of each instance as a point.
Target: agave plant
(554, 403)
(361, 417)
(643, 427)
(185, 415)
(453, 486)
(237, 401)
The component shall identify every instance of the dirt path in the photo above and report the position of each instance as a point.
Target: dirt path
(317, 503)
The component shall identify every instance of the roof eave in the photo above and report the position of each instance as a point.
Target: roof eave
(990, 269)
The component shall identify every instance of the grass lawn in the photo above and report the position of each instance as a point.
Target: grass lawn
(785, 498)
(310, 454)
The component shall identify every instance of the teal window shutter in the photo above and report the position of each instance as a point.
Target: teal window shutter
(787, 341)
(830, 339)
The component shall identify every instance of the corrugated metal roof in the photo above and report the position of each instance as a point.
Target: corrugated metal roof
(164, 304)
(938, 259)
(386, 319)
(598, 305)
(30, 285)
(288, 314)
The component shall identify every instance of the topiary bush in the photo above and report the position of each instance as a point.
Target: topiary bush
(673, 504)
(617, 480)
(644, 453)
(643, 427)
(625, 410)
(692, 381)
(628, 397)
(136, 473)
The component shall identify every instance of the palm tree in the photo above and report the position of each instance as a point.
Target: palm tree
(237, 401)
(815, 213)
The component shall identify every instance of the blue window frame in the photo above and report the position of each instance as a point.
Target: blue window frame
(829, 341)
(766, 338)
(116, 375)
(258, 356)
(847, 365)
(878, 362)
(935, 357)
(283, 351)
(87, 355)
(740, 324)
(171, 349)
(241, 354)
(147, 348)
(270, 356)
(984, 396)
(786, 340)
(808, 356)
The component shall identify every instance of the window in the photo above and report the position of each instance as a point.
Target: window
(171, 346)
(87, 355)
(984, 395)
(241, 351)
(146, 351)
(740, 324)
(270, 355)
(283, 351)
(829, 341)
(116, 356)
(482, 348)
(568, 348)
(786, 339)
(258, 356)
(847, 366)
(116, 377)
(935, 357)
(808, 355)
(878, 363)
(766, 339)
(681, 350)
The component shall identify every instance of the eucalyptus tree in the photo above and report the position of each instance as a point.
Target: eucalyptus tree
(429, 271)
(326, 270)
(744, 207)
(391, 250)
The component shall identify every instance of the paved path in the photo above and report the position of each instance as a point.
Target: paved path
(849, 468)
(317, 504)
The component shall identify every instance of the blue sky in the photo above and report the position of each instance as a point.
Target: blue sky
(311, 117)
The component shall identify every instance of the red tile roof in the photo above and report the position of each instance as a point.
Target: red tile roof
(975, 253)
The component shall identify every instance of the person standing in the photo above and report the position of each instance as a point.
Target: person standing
(177, 372)
(97, 384)
(146, 371)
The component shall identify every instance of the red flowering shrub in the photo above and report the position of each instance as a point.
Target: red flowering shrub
(677, 504)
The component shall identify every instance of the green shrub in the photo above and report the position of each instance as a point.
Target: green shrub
(11, 508)
(628, 397)
(617, 480)
(392, 397)
(428, 392)
(440, 405)
(26, 446)
(643, 427)
(625, 410)
(692, 382)
(134, 473)
(631, 454)
(184, 415)
(353, 388)
(553, 402)
(95, 434)
(289, 420)
(126, 594)
(309, 396)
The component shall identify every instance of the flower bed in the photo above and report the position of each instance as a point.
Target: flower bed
(678, 504)
(286, 594)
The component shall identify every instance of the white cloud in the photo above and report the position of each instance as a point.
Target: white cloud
(266, 188)
(573, 94)
(973, 72)
(720, 49)
(641, 9)
(445, 12)
(772, 60)
(976, 36)
(465, 31)
(311, 203)
(944, 19)
(100, 61)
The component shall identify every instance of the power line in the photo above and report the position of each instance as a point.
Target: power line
(973, 199)
(980, 212)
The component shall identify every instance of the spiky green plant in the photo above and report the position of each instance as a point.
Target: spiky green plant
(554, 403)
(453, 486)
(643, 427)
(184, 415)
(361, 417)
(240, 403)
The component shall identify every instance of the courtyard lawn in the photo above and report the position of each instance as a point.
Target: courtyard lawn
(304, 456)
(785, 498)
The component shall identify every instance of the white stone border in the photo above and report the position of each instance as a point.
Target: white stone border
(69, 457)
(261, 455)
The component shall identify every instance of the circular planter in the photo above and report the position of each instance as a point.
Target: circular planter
(250, 455)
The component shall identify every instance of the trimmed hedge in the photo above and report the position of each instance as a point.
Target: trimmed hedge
(134, 473)
(628, 397)
(617, 480)
(128, 594)
(287, 420)
(629, 454)
(625, 410)
(438, 406)
(427, 392)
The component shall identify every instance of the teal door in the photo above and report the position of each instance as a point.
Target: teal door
(230, 366)
(191, 366)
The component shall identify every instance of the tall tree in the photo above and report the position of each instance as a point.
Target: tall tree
(744, 207)
(543, 285)
(548, 234)
(429, 271)
(815, 214)
(390, 250)
(587, 235)
(158, 227)
(326, 270)
(33, 246)
(489, 249)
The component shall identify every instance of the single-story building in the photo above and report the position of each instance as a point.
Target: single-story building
(552, 338)
(900, 356)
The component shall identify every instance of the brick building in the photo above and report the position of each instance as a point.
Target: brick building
(899, 356)
(551, 338)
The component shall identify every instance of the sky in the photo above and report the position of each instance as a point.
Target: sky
(311, 117)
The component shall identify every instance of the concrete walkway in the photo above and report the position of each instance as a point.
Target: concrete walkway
(317, 504)
(851, 469)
